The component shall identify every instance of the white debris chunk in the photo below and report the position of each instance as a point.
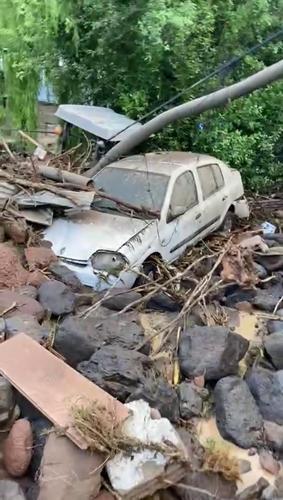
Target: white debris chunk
(127, 471)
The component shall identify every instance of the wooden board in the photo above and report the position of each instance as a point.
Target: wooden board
(51, 385)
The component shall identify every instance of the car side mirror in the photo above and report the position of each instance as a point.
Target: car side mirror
(175, 212)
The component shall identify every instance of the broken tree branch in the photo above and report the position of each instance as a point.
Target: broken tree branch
(7, 149)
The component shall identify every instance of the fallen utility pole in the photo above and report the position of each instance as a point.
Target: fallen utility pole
(191, 108)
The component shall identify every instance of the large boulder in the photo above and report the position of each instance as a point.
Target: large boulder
(67, 472)
(118, 300)
(117, 370)
(28, 290)
(56, 298)
(267, 388)
(275, 326)
(213, 351)
(27, 324)
(235, 294)
(39, 257)
(161, 301)
(160, 395)
(64, 274)
(18, 448)
(205, 485)
(7, 400)
(77, 339)
(237, 416)
(272, 260)
(23, 305)
(267, 299)
(16, 230)
(274, 347)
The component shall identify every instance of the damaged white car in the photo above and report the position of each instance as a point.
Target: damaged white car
(191, 194)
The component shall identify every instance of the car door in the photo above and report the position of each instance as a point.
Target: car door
(183, 220)
(214, 196)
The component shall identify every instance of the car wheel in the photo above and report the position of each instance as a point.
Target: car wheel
(149, 271)
(227, 224)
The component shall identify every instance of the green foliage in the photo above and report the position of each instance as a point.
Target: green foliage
(133, 55)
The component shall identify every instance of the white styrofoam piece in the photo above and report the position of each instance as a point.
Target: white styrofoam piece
(126, 471)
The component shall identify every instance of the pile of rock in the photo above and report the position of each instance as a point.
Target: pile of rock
(223, 375)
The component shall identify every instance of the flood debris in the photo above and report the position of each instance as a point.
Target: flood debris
(130, 474)
(175, 384)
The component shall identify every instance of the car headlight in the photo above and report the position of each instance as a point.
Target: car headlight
(110, 262)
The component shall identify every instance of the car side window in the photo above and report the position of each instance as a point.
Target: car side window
(211, 179)
(218, 176)
(184, 193)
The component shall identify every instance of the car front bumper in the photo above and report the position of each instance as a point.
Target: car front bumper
(99, 280)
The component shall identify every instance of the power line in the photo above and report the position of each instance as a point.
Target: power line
(231, 64)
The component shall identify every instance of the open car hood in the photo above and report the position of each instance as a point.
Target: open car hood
(101, 122)
(79, 236)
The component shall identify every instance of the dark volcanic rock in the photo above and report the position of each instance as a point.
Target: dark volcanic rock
(190, 400)
(274, 347)
(64, 274)
(116, 370)
(275, 326)
(40, 428)
(160, 395)
(253, 492)
(56, 298)
(267, 389)
(195, 485)
(118, 299)
(27, 409)
(271, 262)
(163, 302)
(77, 339)
(260, 271)
(238, 295)
(267, 299)
(237, 416)
(25, 324)
(213, 351)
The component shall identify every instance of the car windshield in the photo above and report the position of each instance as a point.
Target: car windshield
(145, 190)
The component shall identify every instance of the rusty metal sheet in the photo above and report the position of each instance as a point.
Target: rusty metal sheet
(51, 385)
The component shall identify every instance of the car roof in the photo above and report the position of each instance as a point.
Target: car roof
(165, 162)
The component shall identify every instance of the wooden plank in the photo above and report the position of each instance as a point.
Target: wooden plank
(51, 385)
